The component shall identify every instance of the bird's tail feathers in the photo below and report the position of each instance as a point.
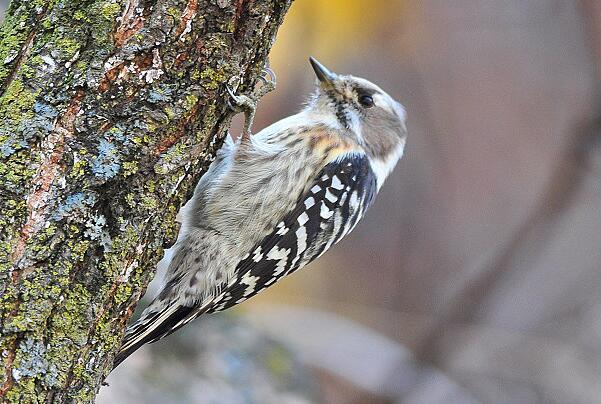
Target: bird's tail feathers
(153, 326)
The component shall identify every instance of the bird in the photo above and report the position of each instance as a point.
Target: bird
(272, 202)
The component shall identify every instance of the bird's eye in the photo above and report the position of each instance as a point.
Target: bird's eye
(366, 101)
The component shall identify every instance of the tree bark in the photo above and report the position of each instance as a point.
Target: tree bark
(110, 110)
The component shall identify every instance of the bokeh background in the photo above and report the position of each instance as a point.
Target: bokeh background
(476, 276)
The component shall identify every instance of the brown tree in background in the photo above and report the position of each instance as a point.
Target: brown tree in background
(109, 112)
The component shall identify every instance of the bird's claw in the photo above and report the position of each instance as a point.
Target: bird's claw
(248, 103)
(240, 103)
(270, 82)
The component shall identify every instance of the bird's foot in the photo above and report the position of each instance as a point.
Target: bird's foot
(248, 103)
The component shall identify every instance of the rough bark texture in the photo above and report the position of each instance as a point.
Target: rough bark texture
(109, 112)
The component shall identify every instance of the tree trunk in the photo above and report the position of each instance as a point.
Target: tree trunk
(110, 110)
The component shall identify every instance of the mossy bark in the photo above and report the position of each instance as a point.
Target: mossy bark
(110, 110)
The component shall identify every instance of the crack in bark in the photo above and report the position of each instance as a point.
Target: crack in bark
(25, 48)
(131, 22)
(6, 386)
(44, 178)
(22, 53)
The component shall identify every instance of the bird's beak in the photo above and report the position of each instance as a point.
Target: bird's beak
(325, 76)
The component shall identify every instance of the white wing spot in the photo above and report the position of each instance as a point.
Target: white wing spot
(330, 196)
(325, 212)
(336, 183)
(278, 253)
(354, 201)
(251, 281)
(303, 218)
(281, 255)
(301, 239)
(257, 256)
(282, 229)
(316, 189)
(309, 202)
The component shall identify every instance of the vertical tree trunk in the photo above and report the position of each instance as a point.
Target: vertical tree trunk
(109, 112)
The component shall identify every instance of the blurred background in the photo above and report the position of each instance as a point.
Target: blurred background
(476, 276)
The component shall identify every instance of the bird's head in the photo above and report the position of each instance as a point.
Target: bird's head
(361, 109)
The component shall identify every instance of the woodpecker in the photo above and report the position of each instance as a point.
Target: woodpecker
(274, 201)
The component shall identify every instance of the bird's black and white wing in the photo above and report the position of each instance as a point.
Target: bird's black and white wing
(338, 198)
(330, 209)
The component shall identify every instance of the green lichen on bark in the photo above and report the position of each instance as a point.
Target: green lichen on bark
(105, 106)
